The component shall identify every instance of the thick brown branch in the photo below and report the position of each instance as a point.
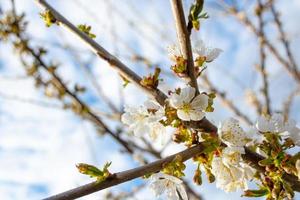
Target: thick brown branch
(125, 176)
(184, 40)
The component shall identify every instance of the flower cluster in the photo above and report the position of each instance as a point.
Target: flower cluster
(149, 118)
(145, 119)
(223, 153)
(228, 167)
(201, 53)
(277, 124)
(271, 137)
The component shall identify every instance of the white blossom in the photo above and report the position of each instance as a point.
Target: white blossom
(170, 184)
(231, 133)
(174, 52)
(188, 106)
(208, 53)
(277, 124)
(230, 171)
(145, 119)
(201, 50)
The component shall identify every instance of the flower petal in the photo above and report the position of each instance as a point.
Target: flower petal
(187, 94)
(213, 54)
(196, 115)
(175, 101)
(263, 125)
(200, 102)
(183, 115)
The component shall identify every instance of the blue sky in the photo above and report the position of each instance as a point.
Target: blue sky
(39, 146)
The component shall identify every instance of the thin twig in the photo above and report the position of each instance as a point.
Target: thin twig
(284, 39)
(262, 65)
(288, 103)
(35, 102)
(241, 16)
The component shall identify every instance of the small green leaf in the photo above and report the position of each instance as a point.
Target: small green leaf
(125, 81)
(93, 171)
(87, 30)
(48, 18)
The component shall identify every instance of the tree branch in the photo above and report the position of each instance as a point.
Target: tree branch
(246, 21)
(184, 40)
(284, 39)
(100, 51)
(203, 125)
(125, 176)
(262, 65)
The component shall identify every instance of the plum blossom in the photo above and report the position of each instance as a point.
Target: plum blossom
(277, 124)
(206, 54)
(174, 52)
(170, 184)
(231, 133)
(230, 171)
(145, 119)
(189, 107)
(200, 52)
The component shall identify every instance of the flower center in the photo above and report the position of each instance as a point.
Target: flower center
(186, 107)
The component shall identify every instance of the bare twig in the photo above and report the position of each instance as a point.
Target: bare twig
(261, 66)
(284, 39)
(288, 103)
(184, 40)
(242, 17)
(30, 101)
(92, 78)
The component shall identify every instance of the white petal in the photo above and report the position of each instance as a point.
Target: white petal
(171, 178)
(187, 94)
(200, 102)
(141, 129)
(127, 119)
(196, 115)
(200, 48)
(263, 125)
(182, 192)
(183, 115)
(213, 54)
(173, 51)
(278, 121)
(151, 104)
(175, 101)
